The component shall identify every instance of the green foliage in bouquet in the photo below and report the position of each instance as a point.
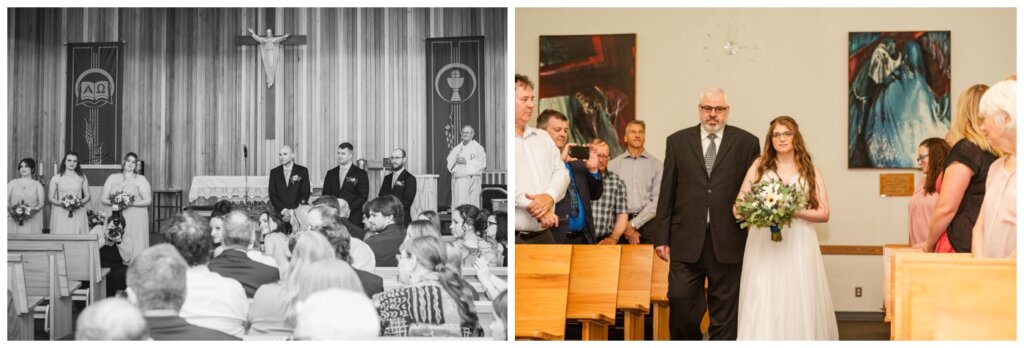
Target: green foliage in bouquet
(770, 203)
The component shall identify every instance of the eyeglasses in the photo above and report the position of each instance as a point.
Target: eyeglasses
(921, 158)
(708, 108)
(779, 135)
(396, 157)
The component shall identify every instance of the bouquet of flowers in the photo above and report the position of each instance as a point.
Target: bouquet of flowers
(95, 219)
(770, 203)
(114, 233)
(121, 200)
(19, 212)
(71, 203)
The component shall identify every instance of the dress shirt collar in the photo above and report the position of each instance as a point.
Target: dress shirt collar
(530, 131)
(288, 167)
(704, 133)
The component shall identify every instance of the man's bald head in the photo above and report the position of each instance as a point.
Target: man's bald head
(286, 155)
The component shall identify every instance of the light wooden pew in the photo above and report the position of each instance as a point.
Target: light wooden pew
(659, 298)
(46, 278)
(593, 288)
(634, 298)
(542, 288)
(955, 296)
(82, 253)
(888, 252)
(23, 304)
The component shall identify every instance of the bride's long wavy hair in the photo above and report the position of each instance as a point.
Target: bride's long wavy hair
(769, 157)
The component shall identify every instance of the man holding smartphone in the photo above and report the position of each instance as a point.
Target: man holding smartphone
(576, 219)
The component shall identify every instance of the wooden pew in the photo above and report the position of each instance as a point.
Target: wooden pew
(46, 278)
(23, 303)
(659, 298)
(542, 288)
(888, 253)
(468, 272)
(82, 254)
(634, 297)
(955, 296)
(593, 288)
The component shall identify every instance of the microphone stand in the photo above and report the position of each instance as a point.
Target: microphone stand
(245, 155)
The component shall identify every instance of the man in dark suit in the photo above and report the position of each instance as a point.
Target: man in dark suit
(156, 284)
(234, 263)
(333, 227)
(400, 184)
(383, 217)
(694, 226)
(575, 217)
(348, 182)
(289, 183)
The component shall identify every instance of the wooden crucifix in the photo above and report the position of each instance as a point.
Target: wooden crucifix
(270, 54)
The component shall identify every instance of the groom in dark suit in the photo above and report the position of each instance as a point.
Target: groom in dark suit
(399, 183)
(694, 227)
(289, 183)
(348, 182)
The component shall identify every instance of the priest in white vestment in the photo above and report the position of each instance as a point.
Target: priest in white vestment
(466, 162)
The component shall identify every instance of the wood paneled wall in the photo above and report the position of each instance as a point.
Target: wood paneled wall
(193, 97)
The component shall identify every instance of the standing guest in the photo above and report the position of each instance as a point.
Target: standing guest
(348, 182)
(963, 180)
(69, 181)
(931, 150)
(610, 217)
(157, 284)
(211, 300)
(233, 261)
(401, 184)
(541, 177)
(383, 217)
(113, 252)
(466, 162)
(319, 316)
(430, 215)
(469, 225)
(641, 172)
(220, 209)
(345, 211)
(695, 230)
(136, 213)
(995, 233)
(575, 214)
(289, 183)
(28, 191)
(111, 319)
(274, 238)
(432, 299)
(362, 255)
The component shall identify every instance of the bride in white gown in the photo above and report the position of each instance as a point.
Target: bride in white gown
(784, 293)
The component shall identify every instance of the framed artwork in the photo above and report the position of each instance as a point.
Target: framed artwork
(898, 95)
(592, 80)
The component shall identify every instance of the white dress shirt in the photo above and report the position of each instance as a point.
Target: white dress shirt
(539, 169)
(214, 301)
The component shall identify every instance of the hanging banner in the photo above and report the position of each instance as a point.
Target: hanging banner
(93, 124)
(454, 99)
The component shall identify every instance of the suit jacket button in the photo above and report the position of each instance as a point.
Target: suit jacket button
(709, 190)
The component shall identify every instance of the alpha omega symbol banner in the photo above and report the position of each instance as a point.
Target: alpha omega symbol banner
(93, 124)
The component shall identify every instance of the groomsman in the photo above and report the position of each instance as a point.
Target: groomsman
(466, 162)
(348, 182)
(289, 183)
(400, 183)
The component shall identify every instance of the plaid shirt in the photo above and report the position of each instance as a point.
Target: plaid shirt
(611, 204)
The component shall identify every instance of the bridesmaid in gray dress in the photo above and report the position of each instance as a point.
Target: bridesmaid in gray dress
(68, 180)
(136, 215)
(26, 189)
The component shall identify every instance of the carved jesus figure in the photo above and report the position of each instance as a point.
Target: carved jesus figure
(268, 52)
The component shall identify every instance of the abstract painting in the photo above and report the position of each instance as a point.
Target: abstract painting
(592, 80)
(899, 95)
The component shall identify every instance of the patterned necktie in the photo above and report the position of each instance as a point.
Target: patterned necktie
(574, 204)
(709, 156)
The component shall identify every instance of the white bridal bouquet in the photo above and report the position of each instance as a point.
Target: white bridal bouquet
(770, 203)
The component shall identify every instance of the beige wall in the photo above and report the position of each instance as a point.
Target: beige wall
(794, 65)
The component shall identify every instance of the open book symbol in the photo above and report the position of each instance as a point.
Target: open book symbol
(94, 91)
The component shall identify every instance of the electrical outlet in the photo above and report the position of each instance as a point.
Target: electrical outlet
(858, 291)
